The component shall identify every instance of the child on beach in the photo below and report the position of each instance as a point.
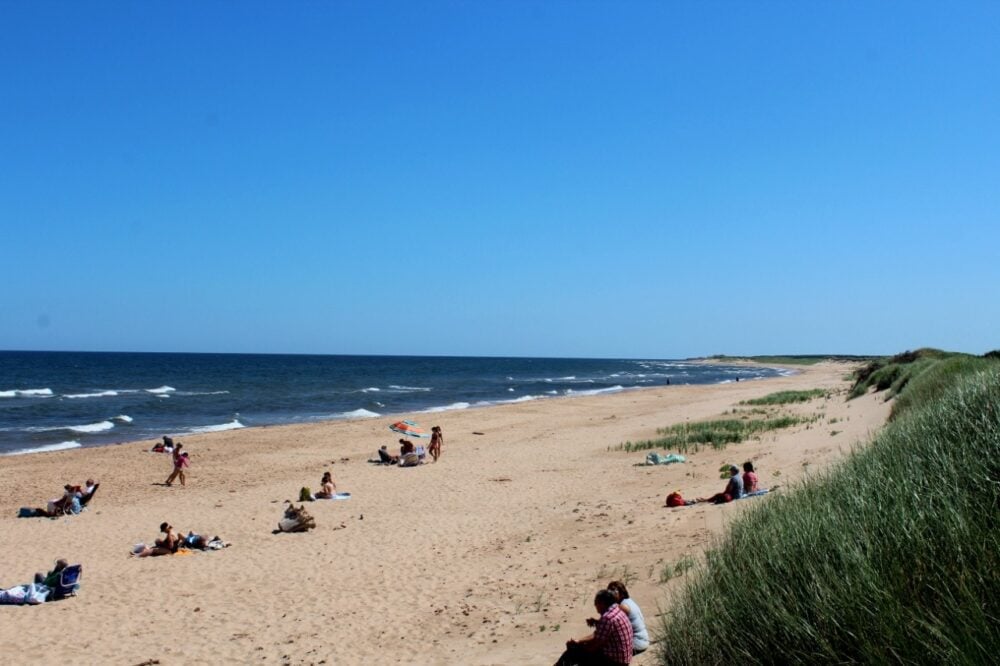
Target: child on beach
(181, 461)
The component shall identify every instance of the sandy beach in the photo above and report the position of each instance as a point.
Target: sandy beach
(490, 556)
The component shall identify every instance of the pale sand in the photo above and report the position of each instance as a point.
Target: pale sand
(460, 562)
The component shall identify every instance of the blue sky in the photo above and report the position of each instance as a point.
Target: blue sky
(500, 178)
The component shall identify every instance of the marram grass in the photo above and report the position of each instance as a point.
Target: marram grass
(892, 557)
(787, 397)
(718, 434)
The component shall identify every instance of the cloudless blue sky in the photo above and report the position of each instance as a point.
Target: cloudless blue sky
(605, 179)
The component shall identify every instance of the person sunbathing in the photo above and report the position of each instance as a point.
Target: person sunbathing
(198, 542)
(329, 488)
(168, 545)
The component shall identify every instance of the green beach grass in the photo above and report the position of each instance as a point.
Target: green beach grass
(890, 557)
(787, 397)
(717, 434)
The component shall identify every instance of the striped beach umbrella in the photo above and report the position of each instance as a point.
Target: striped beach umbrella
(408, 428)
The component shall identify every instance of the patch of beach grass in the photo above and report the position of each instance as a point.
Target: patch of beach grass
(787, 397)
(672, 570)
(717, 434)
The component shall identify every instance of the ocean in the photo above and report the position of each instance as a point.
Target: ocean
(60, 400)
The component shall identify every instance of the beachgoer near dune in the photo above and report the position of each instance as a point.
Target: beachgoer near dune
(640, 637)
(181, 461)
(749, 478)
(611, 642)
(437, 439)
(733, 491)
(329, 488)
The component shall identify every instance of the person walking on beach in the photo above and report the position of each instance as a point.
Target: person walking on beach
(436, 440)
(180, 462)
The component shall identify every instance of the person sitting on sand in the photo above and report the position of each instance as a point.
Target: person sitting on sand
(640, 637)
(168, 545)
(166, 446)
(437, 439)
(51, 579)
(70, 502)
(749, 478)
(733, 491)
(180, 462)
(611, 642)
(329, 488)
(405, 446)
(385, 457)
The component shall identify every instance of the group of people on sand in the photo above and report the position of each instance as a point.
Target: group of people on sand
(172, 541)
(619, 632)
(411, 455)
(180, 458)
(737, 487)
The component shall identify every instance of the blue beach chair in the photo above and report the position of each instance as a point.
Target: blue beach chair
(69, 582)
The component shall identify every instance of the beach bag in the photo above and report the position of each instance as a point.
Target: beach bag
(305, 495)
(409, 460)
(296, 519)
(675, 499)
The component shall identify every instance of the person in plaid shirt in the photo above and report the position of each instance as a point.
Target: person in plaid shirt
(611, 642)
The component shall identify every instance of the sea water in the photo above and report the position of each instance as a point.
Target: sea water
(57, 400)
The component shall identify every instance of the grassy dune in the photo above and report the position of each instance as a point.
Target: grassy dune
(891, 557)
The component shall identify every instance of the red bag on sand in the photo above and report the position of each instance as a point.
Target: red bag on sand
(675, 499)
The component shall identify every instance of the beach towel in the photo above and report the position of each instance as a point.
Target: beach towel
(338, 496)
(30, 594)
(29, 512)
(756, 493)
(654, 458)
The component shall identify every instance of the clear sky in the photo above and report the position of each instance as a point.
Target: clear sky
(605, 179)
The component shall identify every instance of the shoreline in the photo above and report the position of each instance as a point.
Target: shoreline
(73, 444)
(459, 562)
